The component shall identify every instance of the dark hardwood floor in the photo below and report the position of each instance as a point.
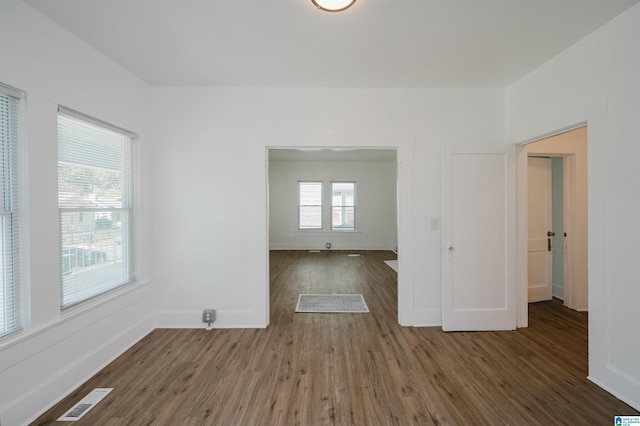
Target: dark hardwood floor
(352, 369)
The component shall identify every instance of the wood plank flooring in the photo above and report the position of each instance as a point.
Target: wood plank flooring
(352, 369)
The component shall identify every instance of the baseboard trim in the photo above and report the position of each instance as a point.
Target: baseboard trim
(427, 318)
(21, 411)
(224, 319)
(622, 397)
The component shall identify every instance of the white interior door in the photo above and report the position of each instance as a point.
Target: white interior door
(478, 236)
(540, 230)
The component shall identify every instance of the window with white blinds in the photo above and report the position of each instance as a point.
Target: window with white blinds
(95, 206)
(309, 205)
(10, 315)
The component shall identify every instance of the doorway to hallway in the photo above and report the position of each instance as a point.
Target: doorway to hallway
(557, 219)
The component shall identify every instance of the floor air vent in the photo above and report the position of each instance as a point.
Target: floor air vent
(87, 403)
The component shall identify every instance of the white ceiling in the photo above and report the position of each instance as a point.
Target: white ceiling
(375, 43)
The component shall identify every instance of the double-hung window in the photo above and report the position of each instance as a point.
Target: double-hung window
(95, 206)
(343, 206)
(309, 205)
(10, 106)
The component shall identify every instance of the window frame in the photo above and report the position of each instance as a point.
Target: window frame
(11, 198)
(124, 239)
(318, 206)
(343, 207)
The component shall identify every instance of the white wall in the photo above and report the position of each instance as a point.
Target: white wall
(56, 352)
(596, 81)
(210, 194)
(376, 225)
(208, 206)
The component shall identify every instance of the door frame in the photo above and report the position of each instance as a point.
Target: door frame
(568, 213)
(522, 222)
(402, 143)
(544, 184)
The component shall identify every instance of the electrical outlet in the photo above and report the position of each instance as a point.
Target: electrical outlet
(208, 316)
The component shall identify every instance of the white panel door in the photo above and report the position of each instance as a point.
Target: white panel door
(540, 260)
(478, 235)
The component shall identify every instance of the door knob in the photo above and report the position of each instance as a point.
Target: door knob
(550, 234)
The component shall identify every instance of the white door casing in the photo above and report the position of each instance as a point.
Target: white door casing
(478, 237)
(539, 258)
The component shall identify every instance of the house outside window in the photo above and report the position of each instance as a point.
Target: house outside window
(95, 191)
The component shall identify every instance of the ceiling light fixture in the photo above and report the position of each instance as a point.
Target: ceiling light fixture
(333, 5)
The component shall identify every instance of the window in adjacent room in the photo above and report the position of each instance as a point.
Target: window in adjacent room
(10, 130)
(343, 206)
(309, 205)
(95, 206)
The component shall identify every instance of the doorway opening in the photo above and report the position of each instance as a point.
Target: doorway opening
(372, 172)
(557, 233)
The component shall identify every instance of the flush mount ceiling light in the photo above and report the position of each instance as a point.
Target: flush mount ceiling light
(333, 5)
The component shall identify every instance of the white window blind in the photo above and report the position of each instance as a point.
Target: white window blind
(310, 205)
(95, 206)
(343, 206)
(10, 315)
